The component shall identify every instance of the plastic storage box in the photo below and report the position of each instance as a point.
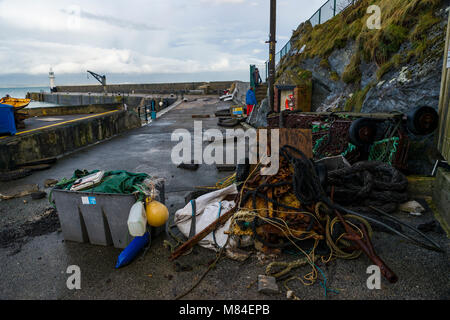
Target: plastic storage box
(98, 218)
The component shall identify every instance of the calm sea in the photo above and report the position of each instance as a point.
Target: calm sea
(22, 92)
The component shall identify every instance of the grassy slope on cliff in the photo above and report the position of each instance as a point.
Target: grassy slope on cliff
(402, 21)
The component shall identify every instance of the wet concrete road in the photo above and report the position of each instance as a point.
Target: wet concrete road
(36, 268)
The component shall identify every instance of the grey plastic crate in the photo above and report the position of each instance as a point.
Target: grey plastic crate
(98, 218)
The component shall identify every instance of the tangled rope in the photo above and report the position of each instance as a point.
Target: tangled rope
(306, 184)
(308, 190)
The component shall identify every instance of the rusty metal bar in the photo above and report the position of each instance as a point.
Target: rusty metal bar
(367, 247)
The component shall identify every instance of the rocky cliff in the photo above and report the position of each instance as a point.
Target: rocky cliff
(354, 68)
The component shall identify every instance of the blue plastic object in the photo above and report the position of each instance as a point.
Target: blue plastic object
(250, 97)
(153, 110)
(7, 123)
(133, 249)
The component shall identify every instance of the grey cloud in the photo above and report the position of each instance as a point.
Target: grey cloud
(191, 36)
(116, 22)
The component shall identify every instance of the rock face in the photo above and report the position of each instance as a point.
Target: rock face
(414, 84)
(327, 94)
(258, 118)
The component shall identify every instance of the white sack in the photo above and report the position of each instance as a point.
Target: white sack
(207, 209)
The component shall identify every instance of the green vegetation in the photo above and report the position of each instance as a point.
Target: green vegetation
(304, 75)
(354, 103)
(385, 68)
(300, 77)
(426, 21)
(325, 64)
(352, 73)
(334, 76)
(398, 59)
(402, 22)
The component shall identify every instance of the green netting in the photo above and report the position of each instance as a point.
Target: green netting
(317, 127)
(318, 143)
(350, 148)
(384, 150)
(119, 181)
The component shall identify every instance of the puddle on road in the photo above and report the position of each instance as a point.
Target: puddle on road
(43, 224)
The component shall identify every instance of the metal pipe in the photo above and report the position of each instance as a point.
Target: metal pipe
(438, 247)
(336, 206)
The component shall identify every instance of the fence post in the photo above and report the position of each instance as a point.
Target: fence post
(320, 14)
(267, 71)
(334, 9)
(252, 80)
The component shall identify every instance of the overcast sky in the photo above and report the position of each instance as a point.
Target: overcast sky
(139, 41)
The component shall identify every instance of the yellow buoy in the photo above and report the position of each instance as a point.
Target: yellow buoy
(157, 213)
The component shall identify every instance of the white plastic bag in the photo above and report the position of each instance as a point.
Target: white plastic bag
(207, 209)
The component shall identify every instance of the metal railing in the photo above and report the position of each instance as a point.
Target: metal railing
(327, 11)
(148, 111)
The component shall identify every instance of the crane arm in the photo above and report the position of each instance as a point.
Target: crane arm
(99, 78)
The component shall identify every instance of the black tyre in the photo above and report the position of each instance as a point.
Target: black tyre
(189, 166)
(223, 113)
(229, 123)
(362, 132)
(422, 120)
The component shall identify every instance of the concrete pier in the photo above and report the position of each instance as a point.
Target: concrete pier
(131, 94)
(152, 88)
(76, 99)
(47, 137)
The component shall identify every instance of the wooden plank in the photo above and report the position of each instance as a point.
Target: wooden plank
(443, 143)
(300, 139)
(380, 115)
(202, 234)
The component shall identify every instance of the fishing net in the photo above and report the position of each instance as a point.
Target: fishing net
(384, 150)
(119, 181)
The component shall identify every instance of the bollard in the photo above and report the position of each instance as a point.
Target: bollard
(153, 110)
(145, 112)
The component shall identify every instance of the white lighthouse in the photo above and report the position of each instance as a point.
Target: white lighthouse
(51, 76)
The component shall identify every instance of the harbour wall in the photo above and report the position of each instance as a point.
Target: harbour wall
(64, 139)
(214, 87)
(70, 110)
(74, 99)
